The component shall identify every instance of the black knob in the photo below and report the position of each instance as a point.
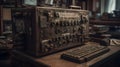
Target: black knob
(74, 23)
(70, 36)
(57, 24)
(67, 37)
(56, 15)
(74, 30)
(70, 23)
(60, 23)
(81, 19)
(52, 24)
(77, 23)
(85, 19)
(63, 37)
(53, 40)
(67, 23)
(74, 36)
(59, 38)
(50, 41)
(63, 23)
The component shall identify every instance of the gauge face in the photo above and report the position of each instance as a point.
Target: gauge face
(30, 2)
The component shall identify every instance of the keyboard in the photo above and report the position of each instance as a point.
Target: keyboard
(84, 53)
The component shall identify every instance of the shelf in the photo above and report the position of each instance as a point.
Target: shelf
(105, 22)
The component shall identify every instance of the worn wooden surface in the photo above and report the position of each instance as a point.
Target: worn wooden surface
(54, 60)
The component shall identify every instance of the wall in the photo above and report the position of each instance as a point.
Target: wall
(118, 5)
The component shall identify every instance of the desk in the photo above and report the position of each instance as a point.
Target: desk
(54, 60)
(105, 22)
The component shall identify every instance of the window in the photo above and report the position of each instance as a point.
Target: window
(110, 6)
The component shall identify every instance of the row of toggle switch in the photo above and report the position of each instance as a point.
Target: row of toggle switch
(60, 41)
(65, 23)
(61, 38)
(69, 30)
(68, 23)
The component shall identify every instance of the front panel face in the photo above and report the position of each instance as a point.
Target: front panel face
(61, 28)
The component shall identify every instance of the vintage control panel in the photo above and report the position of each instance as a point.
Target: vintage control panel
(53, 29)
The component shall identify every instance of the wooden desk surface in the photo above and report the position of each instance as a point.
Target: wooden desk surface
(55, 61)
